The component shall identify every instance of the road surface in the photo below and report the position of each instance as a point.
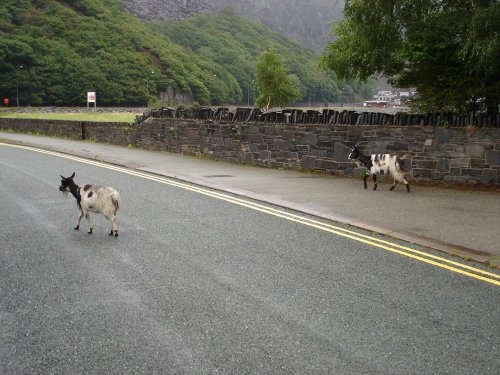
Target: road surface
(200, 282)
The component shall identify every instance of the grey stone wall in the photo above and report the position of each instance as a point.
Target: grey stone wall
(454, 155)
(466, 155)
(57, 128)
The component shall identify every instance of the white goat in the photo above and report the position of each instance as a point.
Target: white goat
(99, 199)
(383, 164)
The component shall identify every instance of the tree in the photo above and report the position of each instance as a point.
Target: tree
(448, 50)
(275, 85)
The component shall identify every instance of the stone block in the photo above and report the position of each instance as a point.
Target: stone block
(255, 138)
(495, 133)
(478, 163)
(326, 164)
(493, 157)
(255, 147)
(422, 173)
(276, 165)
(217, 142)
(310, 139)
(269, 130)
(288, 135)
(264, 154)
(253, 129)
(416, 147)
(438, 175)
(426, 164)
(443, 135)
(457, 179)
(340, 152)
(471, 172)
(397, 146)
(308, 162)
(474, 150)
(443, 165)
(193, 134)
(249, 157)
(318, 153)
(489, 174)
(460, 162)
(377, 147)
(443, 154)
(279, 144)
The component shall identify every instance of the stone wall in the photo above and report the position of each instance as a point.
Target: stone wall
(435, 154)
(65, 129)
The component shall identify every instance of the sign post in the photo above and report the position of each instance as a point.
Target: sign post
(91, 98)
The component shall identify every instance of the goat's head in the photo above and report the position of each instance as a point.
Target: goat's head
(354, 153)
(66, 183)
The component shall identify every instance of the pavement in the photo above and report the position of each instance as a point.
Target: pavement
(460, 222)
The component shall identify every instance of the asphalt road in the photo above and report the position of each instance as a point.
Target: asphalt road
(196, 284)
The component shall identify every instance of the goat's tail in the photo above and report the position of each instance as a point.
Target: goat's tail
(115, 199)
(398, 169)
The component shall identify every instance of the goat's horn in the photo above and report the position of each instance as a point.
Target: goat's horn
(73, 175)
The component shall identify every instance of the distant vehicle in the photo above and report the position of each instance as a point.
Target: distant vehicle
(375, 104)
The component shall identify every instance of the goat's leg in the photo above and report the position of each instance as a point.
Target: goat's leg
(114, 227)
(364, 180)
(87, 216)
(394, 182)
(405, 181)
(374, 181)
(80, 217)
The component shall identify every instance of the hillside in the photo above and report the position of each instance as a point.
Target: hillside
(308, 22)
(159, 10)
(235, 43)
(53, 52)
(57, 50)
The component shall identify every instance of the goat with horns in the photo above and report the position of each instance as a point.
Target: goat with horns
(93, 198)
(383, 164)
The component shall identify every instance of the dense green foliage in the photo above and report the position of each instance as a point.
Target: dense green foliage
(235, 43)
(276, 87)
(448, 50)
(66, 48)
(53, 51)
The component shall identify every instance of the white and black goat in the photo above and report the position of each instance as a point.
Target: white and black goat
(383, 164)
(90, 198)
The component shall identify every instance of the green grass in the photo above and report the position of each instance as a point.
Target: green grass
(82, 116)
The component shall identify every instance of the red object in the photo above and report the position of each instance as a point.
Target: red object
(6, 102)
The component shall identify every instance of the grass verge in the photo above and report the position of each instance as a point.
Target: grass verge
(80, 116)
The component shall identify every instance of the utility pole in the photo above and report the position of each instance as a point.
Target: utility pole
(17, 85)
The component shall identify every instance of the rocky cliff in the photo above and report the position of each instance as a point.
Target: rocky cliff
(308, 22)
(150, 10)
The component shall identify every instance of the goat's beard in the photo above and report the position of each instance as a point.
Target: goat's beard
(65, 192)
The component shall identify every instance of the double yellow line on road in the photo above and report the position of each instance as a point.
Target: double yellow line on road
(406, 251)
